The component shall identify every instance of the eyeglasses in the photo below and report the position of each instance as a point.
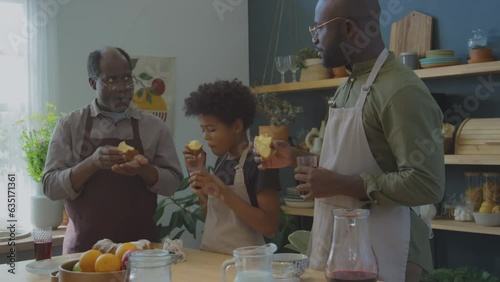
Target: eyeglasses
(315, 29)
(127, 82)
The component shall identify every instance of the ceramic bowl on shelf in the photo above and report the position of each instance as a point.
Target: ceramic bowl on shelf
(439, 53)
(487, 219)
(299, 261)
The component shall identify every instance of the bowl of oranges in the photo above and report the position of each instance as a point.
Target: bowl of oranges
(96, 266)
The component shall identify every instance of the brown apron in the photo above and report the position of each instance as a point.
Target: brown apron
(112, 206)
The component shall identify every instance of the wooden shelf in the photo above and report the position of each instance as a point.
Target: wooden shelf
(297, 211)
(472, 159)
(438, 224)
(470, 227)
(451, 71)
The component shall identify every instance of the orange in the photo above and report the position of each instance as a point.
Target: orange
(88, 259)
(107, 263)
(123, 248)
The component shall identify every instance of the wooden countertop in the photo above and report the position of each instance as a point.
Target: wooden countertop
(199, 266)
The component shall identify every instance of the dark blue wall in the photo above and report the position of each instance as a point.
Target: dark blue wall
(454, 21)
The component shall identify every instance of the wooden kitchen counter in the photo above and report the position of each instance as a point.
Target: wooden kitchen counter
(199, 266)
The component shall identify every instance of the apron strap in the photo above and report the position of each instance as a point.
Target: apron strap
(365, 88)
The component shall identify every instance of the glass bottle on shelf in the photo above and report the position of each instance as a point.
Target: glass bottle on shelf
(473, 189)
(491, 187)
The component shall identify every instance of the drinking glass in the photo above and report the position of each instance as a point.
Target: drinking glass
(307, 160)
(282, 64)
(292, 66)
(42, 237)
(196, 166)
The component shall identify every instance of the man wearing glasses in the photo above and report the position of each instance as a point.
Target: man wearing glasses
(382, 148)
(105, 195)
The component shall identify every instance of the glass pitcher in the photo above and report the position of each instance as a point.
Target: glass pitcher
(149, 265)
(351, 255)
(252, 264)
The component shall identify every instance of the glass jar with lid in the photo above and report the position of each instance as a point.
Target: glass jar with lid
(473, 189)
(149, 265)
(491, 187)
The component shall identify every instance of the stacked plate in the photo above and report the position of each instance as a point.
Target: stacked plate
(439, 58)
(293, 199)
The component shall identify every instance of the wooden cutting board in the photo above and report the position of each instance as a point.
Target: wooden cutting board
(413, 33)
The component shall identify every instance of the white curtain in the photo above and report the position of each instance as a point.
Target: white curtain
(28, 75)
(42, 53)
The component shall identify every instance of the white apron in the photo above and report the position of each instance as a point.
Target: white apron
(346, 151)
(224, 230)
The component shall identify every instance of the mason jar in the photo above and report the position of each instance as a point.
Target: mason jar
(149, 265)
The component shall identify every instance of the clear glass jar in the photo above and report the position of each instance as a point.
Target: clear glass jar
(474, 189)
(149, 265)
(491, 187)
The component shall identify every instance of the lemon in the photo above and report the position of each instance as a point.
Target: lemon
(195, 146)
(263, 145)
(496, 209)
(124, 147)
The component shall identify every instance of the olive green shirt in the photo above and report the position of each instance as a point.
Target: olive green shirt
(402, 123)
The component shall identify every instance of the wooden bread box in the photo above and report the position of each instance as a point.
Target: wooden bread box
(478, 136)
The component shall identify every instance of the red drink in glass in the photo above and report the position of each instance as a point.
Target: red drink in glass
(43, 250)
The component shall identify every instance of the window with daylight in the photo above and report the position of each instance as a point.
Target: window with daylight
(13, 107)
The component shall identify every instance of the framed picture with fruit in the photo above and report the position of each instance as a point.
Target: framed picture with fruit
(154, 85)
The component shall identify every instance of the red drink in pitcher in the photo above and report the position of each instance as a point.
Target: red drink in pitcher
(351, 276)
(43, 250)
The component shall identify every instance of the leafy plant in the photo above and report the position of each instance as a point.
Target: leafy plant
(306, 53)
(278, 111)
(465, 274)
(35, 142)
(479, 47)
(185, 217)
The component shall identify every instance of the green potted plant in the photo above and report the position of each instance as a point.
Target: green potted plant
(280, 113)
(34, 142)
(311, 65)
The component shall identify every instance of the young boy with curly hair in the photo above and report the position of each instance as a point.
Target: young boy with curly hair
(241, 203)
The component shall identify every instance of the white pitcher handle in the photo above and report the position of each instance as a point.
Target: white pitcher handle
(223, 269)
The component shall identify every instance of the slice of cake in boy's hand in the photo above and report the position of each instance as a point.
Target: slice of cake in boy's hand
(263, 145)
(129, 151)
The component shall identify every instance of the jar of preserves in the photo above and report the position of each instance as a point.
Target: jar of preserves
(473, 189)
